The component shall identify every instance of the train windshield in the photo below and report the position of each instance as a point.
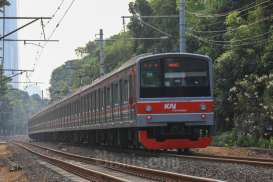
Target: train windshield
(174, 77)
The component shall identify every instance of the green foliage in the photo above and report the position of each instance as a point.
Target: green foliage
(228, 139)
(15, 109)
(76, 73)
(4, 3)
(225, 139)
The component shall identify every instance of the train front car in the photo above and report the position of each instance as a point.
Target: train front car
(175, 101)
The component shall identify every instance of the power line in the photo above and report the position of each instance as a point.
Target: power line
(222, 21)
(54, 30)
(154, 27)
(226, 14)
(156, 16)
(14, 75)
(55, 13)
(233, 29)
(29, 82)
(13, 70)
(34, 19)
(62, 18)
(224, 44)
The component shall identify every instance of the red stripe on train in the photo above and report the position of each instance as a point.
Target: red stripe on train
(174, 107)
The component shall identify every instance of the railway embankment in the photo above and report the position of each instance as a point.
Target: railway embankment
(10, 170)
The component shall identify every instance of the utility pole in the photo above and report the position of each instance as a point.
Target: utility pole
(101, 53)
(182, 24)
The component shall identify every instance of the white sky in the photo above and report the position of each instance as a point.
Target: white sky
(80, 25)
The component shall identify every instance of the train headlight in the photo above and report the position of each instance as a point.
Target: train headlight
(203, 107)
(203, 116)
(148, 108)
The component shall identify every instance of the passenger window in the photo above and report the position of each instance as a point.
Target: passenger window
(115, 93)
(125, 91)
(97, 99)
(108, 96)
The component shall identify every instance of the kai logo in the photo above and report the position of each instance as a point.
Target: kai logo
(170, 106)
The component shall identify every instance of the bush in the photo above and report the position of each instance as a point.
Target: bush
(228, 139)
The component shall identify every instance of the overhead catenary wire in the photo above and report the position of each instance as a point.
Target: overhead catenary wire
(226, 14)
(221, 21)
(53, 32)
(225, 44)
(153, 27)
(40, 52)
(220, 32)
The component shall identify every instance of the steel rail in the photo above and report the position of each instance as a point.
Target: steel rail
(130, 169)
(228, 159)
(238, 158)
(75, 169)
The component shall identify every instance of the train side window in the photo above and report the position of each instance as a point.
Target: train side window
(89, 102)
(130, 89)
(83, 104)
(78, 106)
(108, 96)
(93, 101)
(97, 99)
(86, 103)
(121, 92)
(115, 93)
(125, 91)
(74, 108)
(101, 98)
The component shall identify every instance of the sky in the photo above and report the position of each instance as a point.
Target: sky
(80, 25)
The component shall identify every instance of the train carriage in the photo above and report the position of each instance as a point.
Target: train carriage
(157, 101)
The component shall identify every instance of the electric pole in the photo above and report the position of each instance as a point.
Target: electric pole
(101, 53)
(182, 24)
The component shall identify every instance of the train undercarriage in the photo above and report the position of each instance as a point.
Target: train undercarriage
(152, 138)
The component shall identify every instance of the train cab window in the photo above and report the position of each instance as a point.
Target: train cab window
(151, 74)
(175, 77)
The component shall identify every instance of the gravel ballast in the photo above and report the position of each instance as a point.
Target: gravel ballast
(33, 168)
(217, 170)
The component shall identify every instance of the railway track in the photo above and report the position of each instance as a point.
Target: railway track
(229, 159)
(139, 172)
(199, 156)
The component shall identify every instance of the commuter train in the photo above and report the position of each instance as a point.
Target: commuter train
(153, 101)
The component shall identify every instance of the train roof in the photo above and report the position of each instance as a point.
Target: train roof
(127, 64)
